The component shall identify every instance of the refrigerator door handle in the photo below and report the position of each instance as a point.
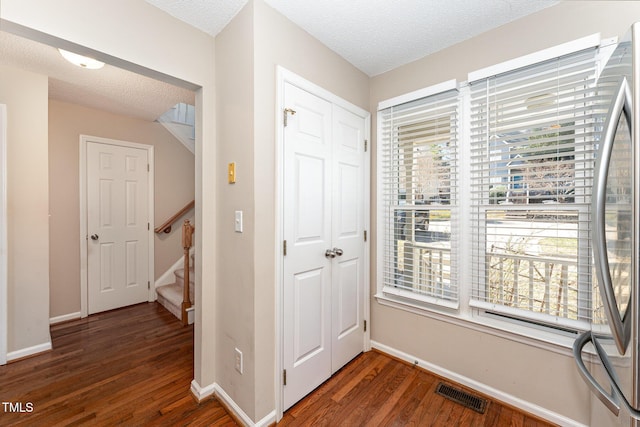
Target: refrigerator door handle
(620, 327)
(610, 400)
(616, 393)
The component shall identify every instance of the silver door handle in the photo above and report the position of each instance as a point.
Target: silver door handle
(329, 253)
(338, 251)
(620, 327)
(611, 401)
(614, 400)
(94, 237)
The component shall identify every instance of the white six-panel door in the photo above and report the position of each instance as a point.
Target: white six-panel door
(323, 227)
(117, 226)
(347, 235)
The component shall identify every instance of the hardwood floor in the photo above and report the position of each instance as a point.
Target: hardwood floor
(127, 367)
(134, 366)
(378, 390)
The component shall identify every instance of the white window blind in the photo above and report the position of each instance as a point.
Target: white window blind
(419, 141)
(533, 132)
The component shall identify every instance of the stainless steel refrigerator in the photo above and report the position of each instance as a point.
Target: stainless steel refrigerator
(608, 356)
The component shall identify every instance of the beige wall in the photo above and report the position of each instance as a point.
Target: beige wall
(235, 311)
(236, 273)
(248, 52)
(279, 42)
(25, 95)
(541, 377)
(142, 39)
(174, 188)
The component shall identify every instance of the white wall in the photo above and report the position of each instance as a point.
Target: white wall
(137, 36)
(547, 378)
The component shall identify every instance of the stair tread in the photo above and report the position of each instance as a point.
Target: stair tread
(180, 274)
(172, 293)
(170, 296)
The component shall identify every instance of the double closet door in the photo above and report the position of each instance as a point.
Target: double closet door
(323, 326)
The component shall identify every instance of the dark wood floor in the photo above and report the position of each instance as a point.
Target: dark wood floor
(134, 367)
(377, 390)
(127, 367)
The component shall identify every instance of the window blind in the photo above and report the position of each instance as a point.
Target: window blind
(419, 149)
(533, 139)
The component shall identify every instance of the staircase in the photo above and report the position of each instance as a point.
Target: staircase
(180, 122)
(176, 297)
(170, 296)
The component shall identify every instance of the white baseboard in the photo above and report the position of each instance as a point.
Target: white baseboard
(233, 406)
(481, 387)
(203, 392)
(239, 413)
(64, 318)
(30, 351)
(168, 277)
(268, 420)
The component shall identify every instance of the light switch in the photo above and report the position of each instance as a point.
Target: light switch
(238, 221)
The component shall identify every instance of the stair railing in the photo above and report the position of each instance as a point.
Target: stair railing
(166, 226)
(187, 242)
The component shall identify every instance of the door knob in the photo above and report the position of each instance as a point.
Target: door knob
(329, 253)
(94, 237)
(338, 251)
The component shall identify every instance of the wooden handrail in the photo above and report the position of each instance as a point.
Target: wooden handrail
(187, 242)
(166, 226)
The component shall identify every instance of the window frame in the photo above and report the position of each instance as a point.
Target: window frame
(387, 212)
(506, 95)
(465, 313)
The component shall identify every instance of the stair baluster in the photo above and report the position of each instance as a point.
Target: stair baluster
(187, 242)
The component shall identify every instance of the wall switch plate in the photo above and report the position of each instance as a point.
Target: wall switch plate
(238, 361)
(238, 222)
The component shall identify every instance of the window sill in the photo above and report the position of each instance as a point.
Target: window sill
(544, 338)
(419, 301)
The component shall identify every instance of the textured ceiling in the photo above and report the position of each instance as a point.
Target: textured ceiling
(210, 16)
(374, 35)
(109, 89)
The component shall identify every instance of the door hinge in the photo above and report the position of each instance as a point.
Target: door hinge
(365, 235)
(365, 326)
(284, 377)
(148, 169)
(284, 247)
(287, 111)
(148, 285)
(148, 226)
(365, 145)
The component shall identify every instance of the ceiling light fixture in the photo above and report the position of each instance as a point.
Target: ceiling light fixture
(81, 61)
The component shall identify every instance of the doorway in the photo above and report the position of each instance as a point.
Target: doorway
(324, 217)
(116, 203)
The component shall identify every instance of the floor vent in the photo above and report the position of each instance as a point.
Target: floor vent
(468, 400)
